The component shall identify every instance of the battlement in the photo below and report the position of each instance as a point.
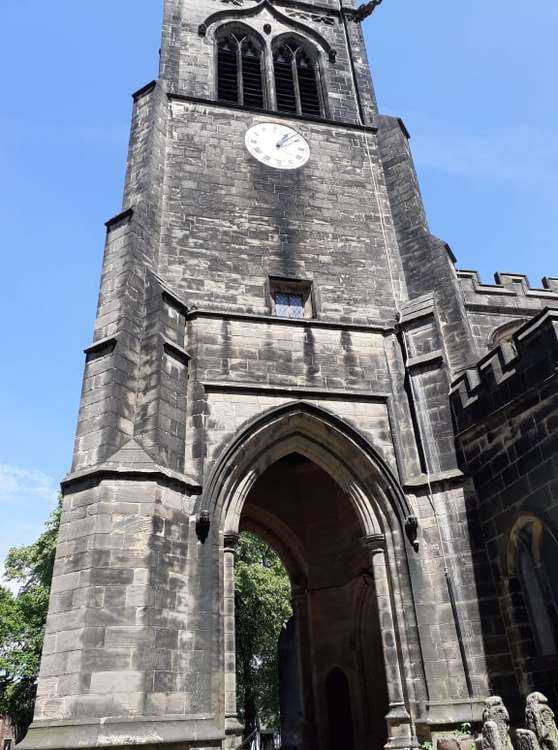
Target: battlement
(508, 284)
(508, 371)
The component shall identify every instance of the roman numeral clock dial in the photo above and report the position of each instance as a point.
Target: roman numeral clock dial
(277, 145)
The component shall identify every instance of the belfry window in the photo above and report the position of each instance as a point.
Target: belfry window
(239, 70)
(296, 80)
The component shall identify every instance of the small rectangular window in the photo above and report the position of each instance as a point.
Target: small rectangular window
(289, 305)
(291, 299)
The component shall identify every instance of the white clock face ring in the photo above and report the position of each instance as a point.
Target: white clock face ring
(277, 145)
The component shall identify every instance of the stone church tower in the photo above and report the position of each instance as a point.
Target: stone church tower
(276, 338)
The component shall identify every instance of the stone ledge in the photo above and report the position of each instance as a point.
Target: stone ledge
(435, 357)
(144, 90)
(107, 470)
(419, 307)
(175, 350)
(192, 313)
(433, 480)
(510, 310)
(300, 391)
(271, 113)
(101, 346)
(300, 322)
(453, 711)
(144, 732)
(123, 216)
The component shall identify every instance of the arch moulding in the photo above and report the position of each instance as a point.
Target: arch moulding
(338, 448)
(223, 16)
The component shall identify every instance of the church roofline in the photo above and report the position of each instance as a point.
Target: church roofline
(512, 284)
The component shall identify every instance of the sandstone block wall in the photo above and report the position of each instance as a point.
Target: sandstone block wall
(187, 353)
(506, 414)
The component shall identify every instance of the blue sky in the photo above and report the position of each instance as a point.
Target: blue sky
(474, 82)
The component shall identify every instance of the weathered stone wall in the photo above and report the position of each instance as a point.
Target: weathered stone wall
(187, 355)
(226, 231)
(122, 566)
(510, 300)
(188, 65)
(506, 413)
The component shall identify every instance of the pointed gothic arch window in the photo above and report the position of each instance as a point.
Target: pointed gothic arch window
(297, 89)
(240, 68)
(534, 560)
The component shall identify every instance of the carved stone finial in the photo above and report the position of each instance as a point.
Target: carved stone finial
(539, 719)
(496, 725)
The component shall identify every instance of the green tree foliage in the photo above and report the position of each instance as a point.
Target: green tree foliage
(262, 602)
(22, 622)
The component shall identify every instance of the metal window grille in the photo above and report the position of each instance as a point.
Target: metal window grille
(239, 71)
(288, 305)
(296, 80)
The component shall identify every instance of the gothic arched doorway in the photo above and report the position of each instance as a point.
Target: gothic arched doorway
(304, 514)
(311, 486)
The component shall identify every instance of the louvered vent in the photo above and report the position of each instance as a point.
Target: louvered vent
(227, 70)
(284, 80)
(308, 86)
(296, 81)
(252, 86)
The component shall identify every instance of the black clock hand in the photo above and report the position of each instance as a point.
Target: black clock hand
(292, 138)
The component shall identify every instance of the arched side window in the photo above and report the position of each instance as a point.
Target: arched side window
(240, 69)
(534, 559)
(297, 86)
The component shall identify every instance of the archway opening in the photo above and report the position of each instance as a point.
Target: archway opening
(339, 711)
(263, 611)
(299, 509)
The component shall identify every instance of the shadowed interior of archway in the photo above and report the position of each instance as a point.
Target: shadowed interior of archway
(306, 517)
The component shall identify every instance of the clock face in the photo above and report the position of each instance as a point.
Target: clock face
(277, 145)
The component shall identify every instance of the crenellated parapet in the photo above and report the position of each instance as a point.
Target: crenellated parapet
(510, 290)
(508, 371)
